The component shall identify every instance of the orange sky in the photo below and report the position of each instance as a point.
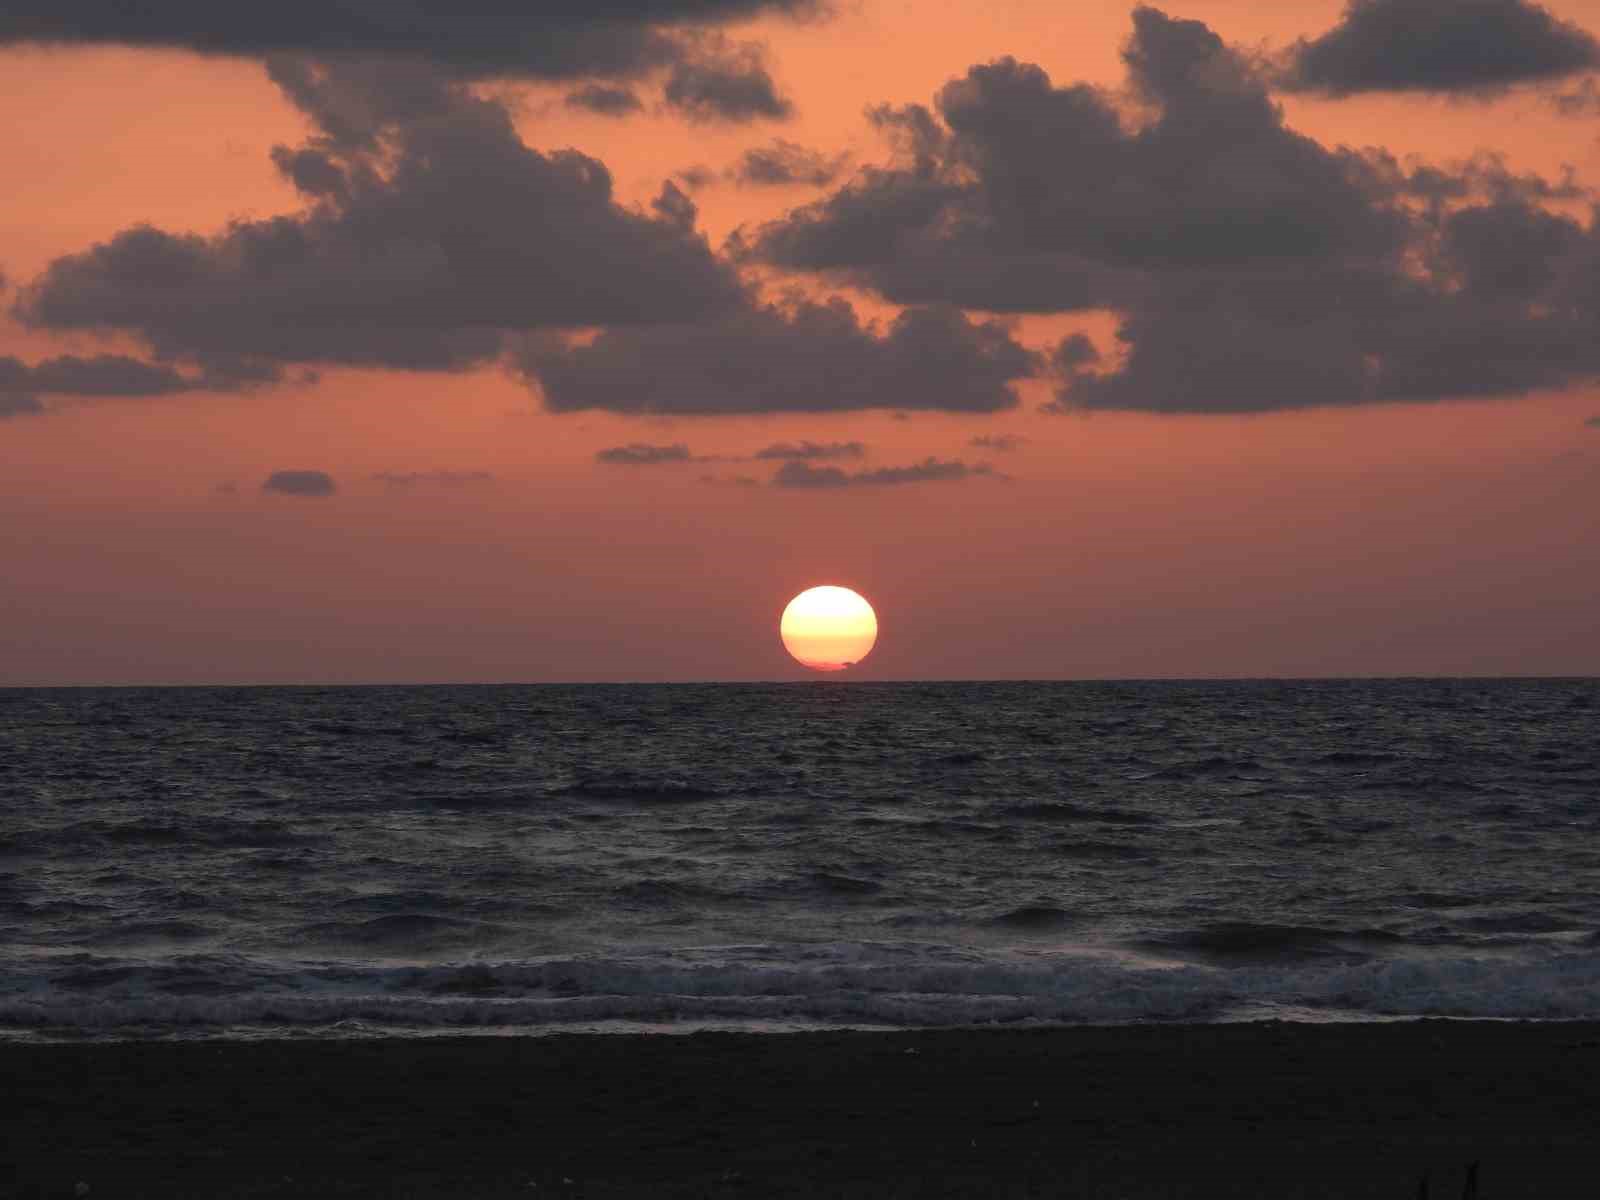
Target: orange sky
(138, 547)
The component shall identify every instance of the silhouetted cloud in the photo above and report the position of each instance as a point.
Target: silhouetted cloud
(101, 375)
(799, 474)
(813, 451)
(313, 484)
(1018, 195)
(407, 479)
(608, 100)
(783, 163)
(807, 357)
(725, 82)
(1592, 423)
(404, 257)
(1003, 442)
(743, 481)
(642, 454)
(1439, 46)
(1581, 101)
(554, 39)
(1252, 268)
(19, 404)
(697, 176)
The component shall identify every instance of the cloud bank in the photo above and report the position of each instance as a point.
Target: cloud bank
(550, 39)
(804, 357)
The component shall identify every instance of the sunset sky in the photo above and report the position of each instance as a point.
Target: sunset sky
(568, 341)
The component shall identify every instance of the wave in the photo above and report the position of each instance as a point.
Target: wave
(1073, 812)
(1265, 941)
(892, 985)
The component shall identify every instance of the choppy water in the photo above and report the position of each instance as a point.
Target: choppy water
(409, 860)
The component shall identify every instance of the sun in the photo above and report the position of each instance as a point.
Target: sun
(829, 628)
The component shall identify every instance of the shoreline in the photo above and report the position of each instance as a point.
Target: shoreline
(1127, 1111)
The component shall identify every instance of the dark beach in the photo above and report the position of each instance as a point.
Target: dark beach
(1258, 1110)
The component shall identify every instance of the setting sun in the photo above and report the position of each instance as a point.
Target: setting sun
(829, 628)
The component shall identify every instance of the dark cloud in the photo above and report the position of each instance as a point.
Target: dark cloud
(314, 484)
(642, 454)
(407, 479)
(608, 100)
(553, 39)
(783, 163)
(813, 451)
(1581, 101)
(743, 481)
(101, 375)
(1017, 195)
(1002, 442)
(725, 82)
(19, 404)
(1439, 46)
(432, 230)
(1592, 423)
(807, 357)
(798, 474)
(1252, 268)
(697, 176)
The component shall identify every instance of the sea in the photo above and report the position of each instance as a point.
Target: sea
(321, 862)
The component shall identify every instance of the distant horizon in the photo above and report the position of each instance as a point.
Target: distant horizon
(828, 680)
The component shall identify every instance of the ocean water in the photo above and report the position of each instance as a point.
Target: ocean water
(414, 860)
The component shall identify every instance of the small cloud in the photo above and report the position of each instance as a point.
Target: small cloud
(604, 100)
(19, 404)
(300, 483)
(799, 474)
(1002, 442)
(811, 450)
(226, 488)
(696, 177)
(1581, 101)
(744, 481)
(784, 163)
(642, 454)
(731, 83)
(1592, 423)
(405, 479)
(1448, 46)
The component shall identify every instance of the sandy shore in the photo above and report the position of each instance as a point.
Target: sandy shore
(1266, 1110)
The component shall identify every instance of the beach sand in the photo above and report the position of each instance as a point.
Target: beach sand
(1260, 1110)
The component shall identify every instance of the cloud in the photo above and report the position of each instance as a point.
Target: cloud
(404, 257)
(805, 357)
(551, 39)
(1252, 269)
(785, 163)
(1458, 46)
(408, 479)
(743, 481)
(19, 404)
(813, 451)
(101, 375)
(313, 484)
(1592, 423)
(608, 100)
(642, 454)
(1002, 442)
(1581, 101)
(725, 82)
(799, 474)
(1014, 194)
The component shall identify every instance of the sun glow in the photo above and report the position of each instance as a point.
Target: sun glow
(829, 628)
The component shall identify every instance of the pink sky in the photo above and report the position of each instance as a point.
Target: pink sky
(1453, 536)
